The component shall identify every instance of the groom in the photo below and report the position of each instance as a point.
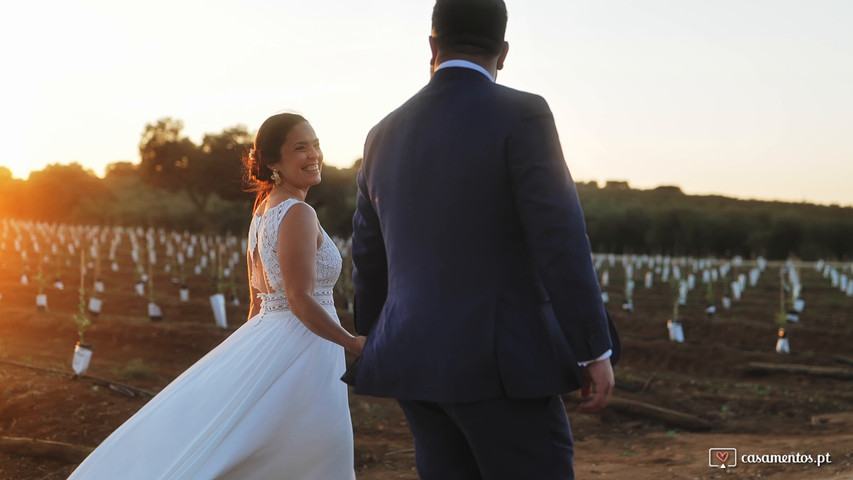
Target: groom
(473, 275)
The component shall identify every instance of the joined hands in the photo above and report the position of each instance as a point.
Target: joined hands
(597, 385)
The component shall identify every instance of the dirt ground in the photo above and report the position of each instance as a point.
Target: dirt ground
(756, 414)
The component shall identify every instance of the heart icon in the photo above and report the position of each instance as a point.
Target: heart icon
(722, 456)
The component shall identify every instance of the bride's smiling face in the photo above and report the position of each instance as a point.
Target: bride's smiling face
(301, 157)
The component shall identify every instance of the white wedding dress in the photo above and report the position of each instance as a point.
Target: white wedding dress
(266, 404)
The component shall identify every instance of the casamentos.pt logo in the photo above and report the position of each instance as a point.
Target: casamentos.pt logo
(728, 458)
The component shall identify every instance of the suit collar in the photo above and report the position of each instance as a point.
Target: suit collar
(453, 73)
(466, 64)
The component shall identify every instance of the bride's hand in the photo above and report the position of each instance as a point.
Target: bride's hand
(357, 345)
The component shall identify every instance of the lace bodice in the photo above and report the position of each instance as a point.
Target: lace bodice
(263, 255)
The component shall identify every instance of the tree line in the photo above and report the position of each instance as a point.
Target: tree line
(666, 221)
(179, 184)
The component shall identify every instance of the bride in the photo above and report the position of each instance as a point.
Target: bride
(267, 403)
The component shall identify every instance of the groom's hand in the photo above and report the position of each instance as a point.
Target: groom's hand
(598, 382)
(357, 345)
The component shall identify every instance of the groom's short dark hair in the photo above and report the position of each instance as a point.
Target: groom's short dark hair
(469, 26)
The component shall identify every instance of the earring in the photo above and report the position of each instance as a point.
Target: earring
(275, 177)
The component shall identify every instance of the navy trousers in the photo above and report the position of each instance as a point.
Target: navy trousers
(496, 439)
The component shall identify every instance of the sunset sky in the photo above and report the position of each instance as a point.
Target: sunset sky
(746, 98)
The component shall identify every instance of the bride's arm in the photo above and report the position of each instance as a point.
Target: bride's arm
(297, 257)
(254, 305)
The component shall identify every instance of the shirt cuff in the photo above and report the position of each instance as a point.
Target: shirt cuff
(603, 356)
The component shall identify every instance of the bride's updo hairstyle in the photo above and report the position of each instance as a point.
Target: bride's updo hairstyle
(257, 175)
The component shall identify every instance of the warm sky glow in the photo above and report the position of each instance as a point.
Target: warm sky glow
(743, 98)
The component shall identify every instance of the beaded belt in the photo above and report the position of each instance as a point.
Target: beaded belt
(276, 301)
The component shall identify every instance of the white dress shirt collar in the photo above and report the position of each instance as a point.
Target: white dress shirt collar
(466, 64)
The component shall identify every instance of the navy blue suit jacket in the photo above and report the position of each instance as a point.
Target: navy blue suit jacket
(467, 222)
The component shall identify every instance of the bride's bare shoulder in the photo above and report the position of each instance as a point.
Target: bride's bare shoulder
(299, 212)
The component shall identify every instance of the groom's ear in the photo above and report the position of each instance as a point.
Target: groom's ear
(502, 56)
(433, 47)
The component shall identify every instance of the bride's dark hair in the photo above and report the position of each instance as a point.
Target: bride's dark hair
(257, 177)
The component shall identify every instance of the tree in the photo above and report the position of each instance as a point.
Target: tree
(11, 201)
(55, 193)
(222, 157)
(172, 161)
(334, 199)
(786, 233)
(120, 170)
